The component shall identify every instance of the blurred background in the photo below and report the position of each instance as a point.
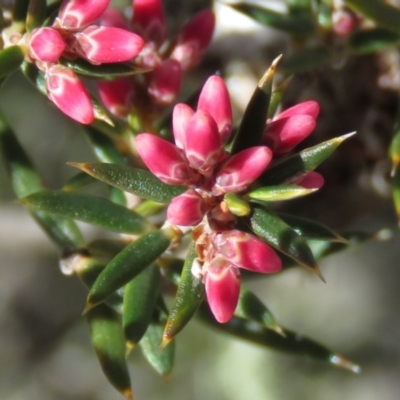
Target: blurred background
(45, 350)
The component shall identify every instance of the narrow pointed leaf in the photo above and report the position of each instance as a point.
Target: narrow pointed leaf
(252, 308)
(140, 298)
(189, 295)
(303, 162)
(277, 95)
(236, 205)
(311, 229)
(306, 59)
(162, 360)
(278, 234)
(106, 247)
(37, 11)
(279, 192)
(11, 59)
(105, 71)
(372, 40)
(91, 209)
(133, 180)
(109, 343)
(251, 129)
(383, 14)
(129, 263)
(26, 180)
(78, 181)
(289, 342)
(296, 24)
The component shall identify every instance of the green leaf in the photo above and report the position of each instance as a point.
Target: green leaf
(133, 180)
(140, 298)
(26, 180)
(109, 344)
(303, 162)
(289, 342)
(236, 205)
(279, 192)
(35, 76)
(105, 71)
(106, 247)
(91, 209)
(78, 181)
(277, 95)
(252, 126)
(20, 10)
(11, 59)
(269, 227)
(252, 308)
(36, 16)
(311, 229)
(162, 360)
(188, 297)
(383, 14)
(372, 40)
(296, 24)
(129, 263)
(306, 59)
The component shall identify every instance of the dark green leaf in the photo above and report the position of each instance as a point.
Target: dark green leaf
(289, 341)
(35, 76)
(37, 12)
(129, 263)
(189, 295)
(372, 40)
(20, 11)
(301, 163)
(78, 181)
(91, 209)
(306, 59)
(11, 59)
(140, 298)
(269, 227)
(109, 344)
(133, 180)
(252, 126)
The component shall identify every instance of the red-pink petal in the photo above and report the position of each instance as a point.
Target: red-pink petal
(76, 14)
(203, 143)
(100, 44)
(247, 251)
(163, 159)
(284, 134)
(181, 116)
(312, 180)
(242, 169)
(194, 39)
(222, 286)
(113, 17)
(149, 19)
(46, 44)
(165, 82)
(214, 98)
(309, 107)
(188, 209)
(68, 93)
(117, 95)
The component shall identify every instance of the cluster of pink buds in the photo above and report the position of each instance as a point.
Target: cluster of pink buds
(199, 160)
(167, 60)
(72, 35)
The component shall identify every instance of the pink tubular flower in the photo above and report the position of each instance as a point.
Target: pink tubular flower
(46, 44)
(76, 14)
(100, 45)
(68, 93)
(193, 39)
(289, 128)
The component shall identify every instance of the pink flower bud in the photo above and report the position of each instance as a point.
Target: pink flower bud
(165, 82)
(214, 98)
(113, 17)
(310, 108)
(46, 44)
(100, 44)
(344, 22)
(117, 95)
(222, 286)
(194, 39)
(203, 143)
(149, 19)
(312, 180)
(181, 117)
(68, 93)
(76, 14)
(247, 251)
(188, 209)
(163, 159)
(242, 169)
(283, 134)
